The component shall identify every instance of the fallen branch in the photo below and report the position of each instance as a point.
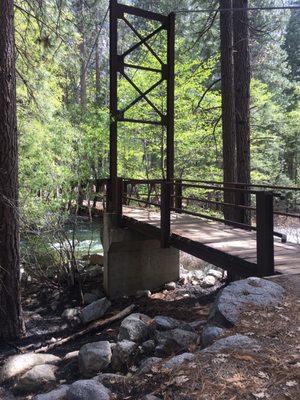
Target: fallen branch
(90, 328)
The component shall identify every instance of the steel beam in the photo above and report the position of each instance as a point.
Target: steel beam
(170, 96)
(113, 127)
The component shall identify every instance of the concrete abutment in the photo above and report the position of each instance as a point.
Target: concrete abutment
(133, 261)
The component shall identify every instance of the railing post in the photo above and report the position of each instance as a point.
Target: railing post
(264, 234)
(178, 194)
(165, 213)
(119, 197)
(125, 192)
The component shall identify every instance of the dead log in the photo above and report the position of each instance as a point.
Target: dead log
(93, 326)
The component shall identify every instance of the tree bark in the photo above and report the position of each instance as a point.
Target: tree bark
(242, 100)
(10, 304)
(82, 51)
(228, 103)
(97, 73)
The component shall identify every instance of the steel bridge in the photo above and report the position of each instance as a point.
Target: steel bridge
(168, 209)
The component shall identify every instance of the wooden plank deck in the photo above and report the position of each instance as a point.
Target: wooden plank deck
(232, 241)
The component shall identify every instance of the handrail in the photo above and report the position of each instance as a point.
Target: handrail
(141, 201)
(223, 189)
(278, 187)
(264, 212)
(142, 181)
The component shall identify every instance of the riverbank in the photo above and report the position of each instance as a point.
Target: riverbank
(170, 344)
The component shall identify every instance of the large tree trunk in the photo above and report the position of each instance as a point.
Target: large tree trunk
(228, 104)
(97, 73)
(82, 51)
(242, 100)
(10, 305)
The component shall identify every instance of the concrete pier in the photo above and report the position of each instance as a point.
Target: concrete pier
(134, 262)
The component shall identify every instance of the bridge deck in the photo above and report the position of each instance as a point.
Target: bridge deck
(232, 241)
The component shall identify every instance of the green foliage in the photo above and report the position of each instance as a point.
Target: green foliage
(62, 145)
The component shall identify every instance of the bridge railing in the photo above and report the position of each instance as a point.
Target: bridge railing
(170, 198)
(264, 218)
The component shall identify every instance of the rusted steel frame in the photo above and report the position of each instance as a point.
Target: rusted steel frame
(140, 97)
(152, 194)
(140, 121)
(201, 200)
(170, 97)
(177, 197)
(143, 40)
(264, 233)
(143, 94)
(142, 68)
(214, 256)
(113, 159)
(239, 225)
(142, 181)
(142, 201)
(119, 200)
(165, 214)
(237, 206)
(244, 184)
(141, 13)
(222, 189)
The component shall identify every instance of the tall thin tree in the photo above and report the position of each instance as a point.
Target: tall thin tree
(242, 99)
(228, 103)
(10, 305)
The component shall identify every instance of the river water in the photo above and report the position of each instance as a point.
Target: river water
(88, 235)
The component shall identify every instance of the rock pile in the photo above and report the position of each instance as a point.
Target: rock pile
(144, 344)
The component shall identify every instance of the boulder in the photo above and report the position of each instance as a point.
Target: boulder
(18, 364)
(98, 292)
(93, 271)
(71, 356)
(216, 273)
(210, 334)
(56, 394)
(184, 339)
(6, 395)
(112, 381)
(37, 378)
(89, 298)
(136, 327)
(147, 364)
(232, 342)
(96, 259)
(70, 313)
(167, 323)
(94, 310)
(124, 355)
(197, 275)
(178, 360)
(208, 281)
(170, 286)
(198, 324)
(94, 357)
(143, 293)
(148, 347)
(237, 297)
(166, 348)
(87, 390)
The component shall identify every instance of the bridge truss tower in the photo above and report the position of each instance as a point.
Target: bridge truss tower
(118, 66)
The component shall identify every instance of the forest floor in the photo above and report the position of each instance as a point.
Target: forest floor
(272, 373)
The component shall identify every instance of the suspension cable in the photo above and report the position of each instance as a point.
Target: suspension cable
(290, 7)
